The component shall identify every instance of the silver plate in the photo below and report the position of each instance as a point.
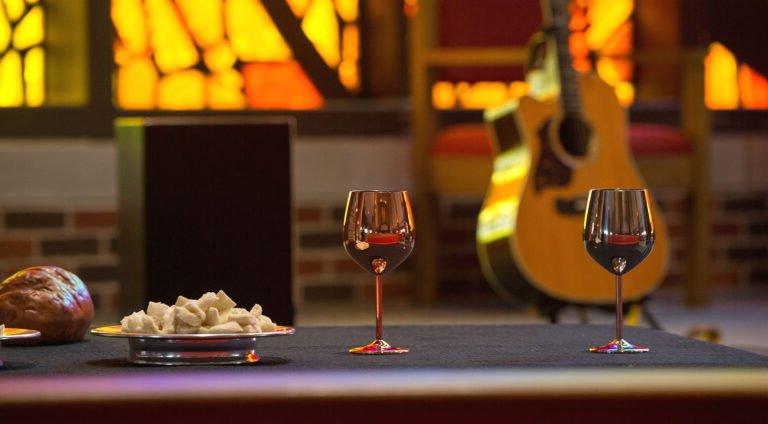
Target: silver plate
(17, 334)
(191, 349)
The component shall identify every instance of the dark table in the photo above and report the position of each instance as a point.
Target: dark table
(451, 372)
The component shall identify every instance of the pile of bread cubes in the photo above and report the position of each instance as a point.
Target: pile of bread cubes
(212, 313)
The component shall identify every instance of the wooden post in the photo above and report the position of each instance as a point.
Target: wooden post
(695, 122)
(421, 37)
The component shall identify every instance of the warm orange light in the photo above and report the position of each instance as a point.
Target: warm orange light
(203, 18)
(173, 48)
(136, 82)
(252, 33)
(225, 90)
(322, 28)
(720, 84)
(443, 96)
(219, 57)
(130, 24)
(349, 74)
(605, 17)
(348, 9)
(753, 88)
(299, 7)
(184, 90)
(279, 86)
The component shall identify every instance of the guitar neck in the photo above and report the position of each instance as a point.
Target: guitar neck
(570, 94)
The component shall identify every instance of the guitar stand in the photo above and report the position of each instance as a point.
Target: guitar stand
(552, 310)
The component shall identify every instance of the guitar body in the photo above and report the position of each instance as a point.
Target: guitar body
(529, 235)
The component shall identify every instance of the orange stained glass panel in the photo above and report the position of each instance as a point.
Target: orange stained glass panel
(241, 18)
(721, 89)
(34, 76)
(131, 25)
(219, 57)
(170, 41)
(299, 7)
(322, 28)
(753, 88)
(11, 88)
(225, 90)
(5, 31)
(14, 9)
(348, 9)
(136, 84)
(183, 90)
(605, 17)
(279, 86)
(30, 30)
(203, 18)
(349, 73)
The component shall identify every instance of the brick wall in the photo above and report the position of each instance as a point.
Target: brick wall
(84, 240)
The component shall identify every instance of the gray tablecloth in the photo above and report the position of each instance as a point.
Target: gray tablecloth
(322, 348)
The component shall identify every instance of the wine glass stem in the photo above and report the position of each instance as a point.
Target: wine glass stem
(619, 308)
(379, 307)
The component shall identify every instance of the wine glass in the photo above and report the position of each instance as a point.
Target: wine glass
(618, 235)
(378, 235)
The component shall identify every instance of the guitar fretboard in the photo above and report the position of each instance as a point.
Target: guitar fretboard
(570, 93)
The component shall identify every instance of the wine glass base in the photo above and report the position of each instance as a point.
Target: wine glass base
(378, 347)
(619, 346)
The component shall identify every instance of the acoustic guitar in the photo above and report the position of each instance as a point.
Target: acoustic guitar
(548, 154)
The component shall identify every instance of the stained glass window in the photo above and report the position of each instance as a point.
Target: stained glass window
(729, 84)
(602, 27)
(22, 53)
(228, 54)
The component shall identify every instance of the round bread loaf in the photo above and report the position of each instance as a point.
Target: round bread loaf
(49, 299)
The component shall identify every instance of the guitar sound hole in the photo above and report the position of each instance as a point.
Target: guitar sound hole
(574, 135)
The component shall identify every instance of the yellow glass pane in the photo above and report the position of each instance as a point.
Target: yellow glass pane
(721, 89)
(443, 96)
(625, 92)
(183, 90)
(219, 57)
(32, 1)
(203, 18)
(605, 17)
(11, 89)
(5, 31)
(225, 90)
(299, 7)
(241, 18)
(34, 76)
(136, 84)
(322, 28)
(484, 94)
(14, 9)
(30, 31)
(349, 72)
(753, 88)
(347, 9)
(131, 25)
(173, 48)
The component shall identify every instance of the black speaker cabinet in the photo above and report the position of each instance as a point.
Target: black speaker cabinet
(205, 204)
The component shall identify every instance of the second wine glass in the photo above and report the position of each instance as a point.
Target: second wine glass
(379, 236)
